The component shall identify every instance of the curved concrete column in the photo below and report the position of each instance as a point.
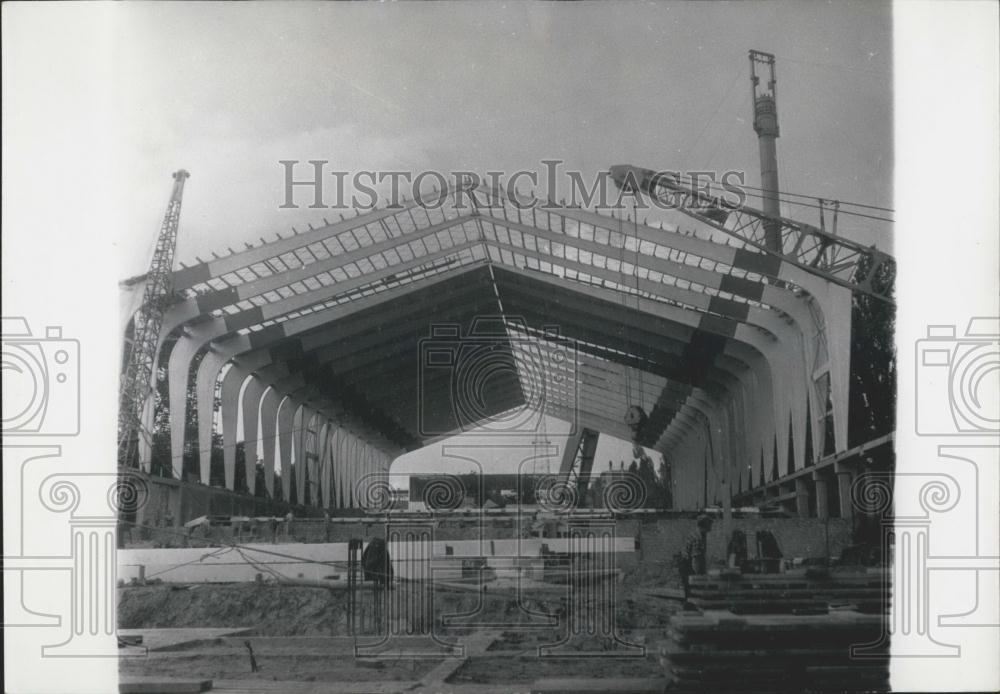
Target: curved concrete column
(336, 455)
(269, 434)
(286, 427)
(352, 470)
(340, 471)
(297, 457)
(252, 395)
(362, 469)
(311, 447)
(232, 384)
(206, 380)
(833, 302)
(324, 464)
(346, 493)
(184, 351)
(831, 306)
(336, 446)
(173, 318)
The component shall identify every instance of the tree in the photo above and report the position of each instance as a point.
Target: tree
(160, 461)
(260, 488)
(872, 398)
(666, 483)
(647, 475)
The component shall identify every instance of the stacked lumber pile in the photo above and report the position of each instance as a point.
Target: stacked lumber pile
(804, 591)
(718, 651)
(781, 633)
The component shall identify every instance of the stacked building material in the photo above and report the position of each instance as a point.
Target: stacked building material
(782, 632)
(801, 591)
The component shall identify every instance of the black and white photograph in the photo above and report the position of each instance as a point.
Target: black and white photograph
(496, 347)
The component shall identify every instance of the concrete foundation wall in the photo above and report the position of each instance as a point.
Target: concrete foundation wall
(645, 547)
(659, 540)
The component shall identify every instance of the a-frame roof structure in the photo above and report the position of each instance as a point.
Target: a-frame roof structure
(350, 323)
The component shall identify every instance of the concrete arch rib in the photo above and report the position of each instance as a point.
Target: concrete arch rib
(782, 299)
(269, 435)
(324, 463)
(295, 464)
(251, 408)
(205, 383)
(775, 364)
(833, 302)
(232, 384)
(768, 349)
(197, 335)
(312, 447)
(286, 429)
(353, 464)
(187, 347)
(349, 461)
(173, 319)
(339, 476)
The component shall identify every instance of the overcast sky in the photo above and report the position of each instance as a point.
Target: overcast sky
(102, 101)
(228, 90)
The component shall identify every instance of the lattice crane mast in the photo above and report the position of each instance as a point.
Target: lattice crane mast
(860, 268)
(137, 380)
(863, 269)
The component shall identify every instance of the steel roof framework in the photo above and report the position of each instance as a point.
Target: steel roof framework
(325, 328)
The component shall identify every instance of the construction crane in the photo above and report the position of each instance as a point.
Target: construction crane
(765, 124)
(137, 379)
(860, 268)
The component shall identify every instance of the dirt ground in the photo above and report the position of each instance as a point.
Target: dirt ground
(323, 650)
(280, 610)
(267, 608)
(525, 669)
(308, 668)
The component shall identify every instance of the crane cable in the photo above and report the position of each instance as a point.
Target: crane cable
(783, 197)
(635, 271)
(621, 273)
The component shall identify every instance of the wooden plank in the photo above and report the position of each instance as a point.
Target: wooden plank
(162, 685)
(617, 685)
(297, 687)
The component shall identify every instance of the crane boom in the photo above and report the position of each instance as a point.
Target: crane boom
(137, 379)
(863, 269)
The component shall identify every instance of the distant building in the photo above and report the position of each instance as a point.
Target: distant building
(400, 500)
(426, 491)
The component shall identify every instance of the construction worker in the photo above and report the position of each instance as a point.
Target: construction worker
(695, 551)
